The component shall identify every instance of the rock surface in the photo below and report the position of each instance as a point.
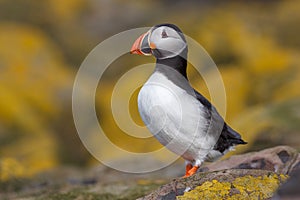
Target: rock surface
(254, 175)
(225, 184)
(280, 159)
(290, 189)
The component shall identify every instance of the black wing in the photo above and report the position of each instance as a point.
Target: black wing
(228, 137)
(203, 100)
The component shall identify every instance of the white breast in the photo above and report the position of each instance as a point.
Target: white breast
(174, 117)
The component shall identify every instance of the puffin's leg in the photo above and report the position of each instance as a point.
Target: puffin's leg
(194, 169)
(188, 167)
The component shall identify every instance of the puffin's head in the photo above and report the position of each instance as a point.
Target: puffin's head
(163, 41)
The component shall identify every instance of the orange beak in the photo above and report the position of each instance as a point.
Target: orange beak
(141, 46)
(136, 47)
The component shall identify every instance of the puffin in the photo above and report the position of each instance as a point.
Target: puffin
(178, 116)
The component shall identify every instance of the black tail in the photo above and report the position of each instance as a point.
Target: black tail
(227, 139)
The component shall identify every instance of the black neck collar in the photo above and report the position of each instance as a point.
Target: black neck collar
(178, 63)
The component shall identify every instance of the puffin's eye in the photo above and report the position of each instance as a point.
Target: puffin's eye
(164, 34)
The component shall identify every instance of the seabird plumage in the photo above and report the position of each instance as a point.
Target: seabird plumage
(176, 114)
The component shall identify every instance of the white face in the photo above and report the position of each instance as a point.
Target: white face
(167, 42)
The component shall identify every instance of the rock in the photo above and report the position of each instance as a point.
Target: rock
(254, 175)
(232, 183)
(290, 189)
(280, 159)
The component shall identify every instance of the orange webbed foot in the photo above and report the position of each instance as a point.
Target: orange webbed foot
(190, 170)
(188, 167)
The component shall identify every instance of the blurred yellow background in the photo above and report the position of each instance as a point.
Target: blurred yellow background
(256, 46)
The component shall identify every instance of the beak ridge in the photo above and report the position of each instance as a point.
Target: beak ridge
(136, 47)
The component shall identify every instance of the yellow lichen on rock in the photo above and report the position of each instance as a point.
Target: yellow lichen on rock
(209, 190)
(247, 187)
(256, 187)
